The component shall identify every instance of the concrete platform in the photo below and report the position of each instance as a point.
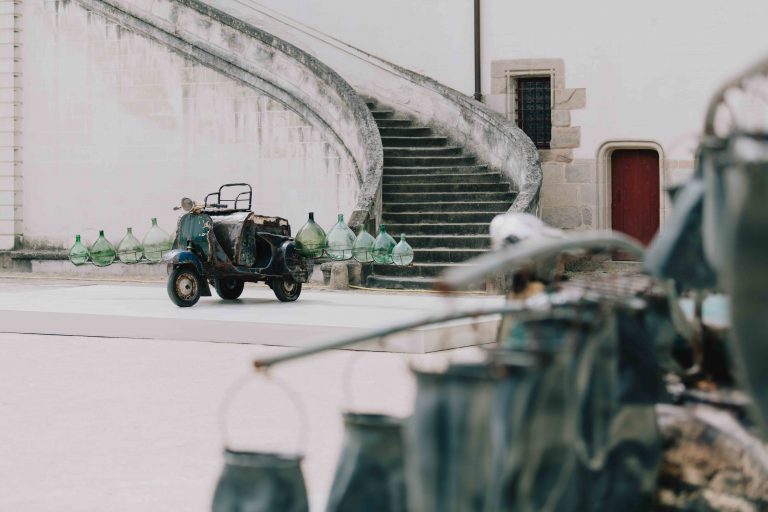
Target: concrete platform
(143, 311)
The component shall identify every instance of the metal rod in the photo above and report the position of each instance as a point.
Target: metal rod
(263, 364)
(531, 250)
(478, 91)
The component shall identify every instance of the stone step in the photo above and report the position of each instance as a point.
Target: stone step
(449, 241)
(448, 198)
(415, 270)
(429, 161)
(443, 170)
(406, 131)
(445, 255)
(402, 142)
(404, 179)
(382, 114)
(438, 186)
(411, 283)
(423, 151)
(437, 228)
(447, 206)
(456, 217)
(401, 283)
(393, 123)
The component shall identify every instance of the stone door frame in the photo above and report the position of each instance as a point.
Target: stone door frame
(603, 185)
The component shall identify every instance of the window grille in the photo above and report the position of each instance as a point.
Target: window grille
(533, 109)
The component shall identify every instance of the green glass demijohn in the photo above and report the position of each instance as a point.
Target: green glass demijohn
(362, 249)
(156, 242)
(340, 240)
(102, 252)
(129, 250)
(78, 253)
(382, 248)
(310, 240)
(402, 254)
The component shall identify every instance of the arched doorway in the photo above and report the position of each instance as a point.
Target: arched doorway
(635, 192)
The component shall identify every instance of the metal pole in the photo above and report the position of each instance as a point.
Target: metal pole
(478, 93)
(263, 364)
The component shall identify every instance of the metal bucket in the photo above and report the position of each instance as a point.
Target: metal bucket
(370, 473)
(260, 482)
(603, 420)
(745, 267)
(449, 447)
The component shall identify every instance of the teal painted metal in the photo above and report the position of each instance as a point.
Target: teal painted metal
(260, 482)
(370, 474)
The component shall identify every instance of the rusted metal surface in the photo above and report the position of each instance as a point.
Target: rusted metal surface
(711, 462)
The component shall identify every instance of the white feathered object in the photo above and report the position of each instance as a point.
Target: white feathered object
(511, 228)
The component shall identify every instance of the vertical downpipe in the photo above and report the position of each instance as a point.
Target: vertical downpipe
(478, 94)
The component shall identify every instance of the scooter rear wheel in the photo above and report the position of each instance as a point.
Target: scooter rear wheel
(229, 288)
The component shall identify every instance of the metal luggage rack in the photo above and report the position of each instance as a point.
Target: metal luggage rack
(740, 104)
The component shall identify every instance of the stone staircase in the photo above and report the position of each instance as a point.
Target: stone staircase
(436, 194)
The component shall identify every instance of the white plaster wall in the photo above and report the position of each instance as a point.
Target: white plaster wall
(426, 36)
(117, 129)
(649, 67)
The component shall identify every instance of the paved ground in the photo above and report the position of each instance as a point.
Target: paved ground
(116, 424)
(135, 310)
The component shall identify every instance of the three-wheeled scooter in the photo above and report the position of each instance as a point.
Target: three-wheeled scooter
(223, 243)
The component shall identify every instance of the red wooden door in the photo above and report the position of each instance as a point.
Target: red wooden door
(635, 193)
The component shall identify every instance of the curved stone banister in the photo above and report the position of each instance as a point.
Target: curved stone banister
(492, 138)
(276, 67)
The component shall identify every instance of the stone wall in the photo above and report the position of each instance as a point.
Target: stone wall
(118, 127)
(576, 195)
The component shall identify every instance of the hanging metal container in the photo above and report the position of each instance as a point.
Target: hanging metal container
(260, 482)
(370, 473)
(449, 447)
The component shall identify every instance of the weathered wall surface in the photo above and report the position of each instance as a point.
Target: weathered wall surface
(10, 125)
(493, 139)
(646, 70)
(117, 128)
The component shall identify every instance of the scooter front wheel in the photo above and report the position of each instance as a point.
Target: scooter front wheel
(184, 287)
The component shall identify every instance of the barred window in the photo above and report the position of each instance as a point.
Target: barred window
(533, 109)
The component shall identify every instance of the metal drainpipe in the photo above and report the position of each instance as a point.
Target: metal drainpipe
(478, 95)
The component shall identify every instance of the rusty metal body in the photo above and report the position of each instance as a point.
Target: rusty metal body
(223, 241)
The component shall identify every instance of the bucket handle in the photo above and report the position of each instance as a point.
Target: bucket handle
(237, 387)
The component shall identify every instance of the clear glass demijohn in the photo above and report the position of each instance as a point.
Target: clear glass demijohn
(402, 254)
(78, 253)
(340, 240)
(310, 240)
(362, 250)
(102, 251)
(156, 242)
(382, 248)
(129, 250)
